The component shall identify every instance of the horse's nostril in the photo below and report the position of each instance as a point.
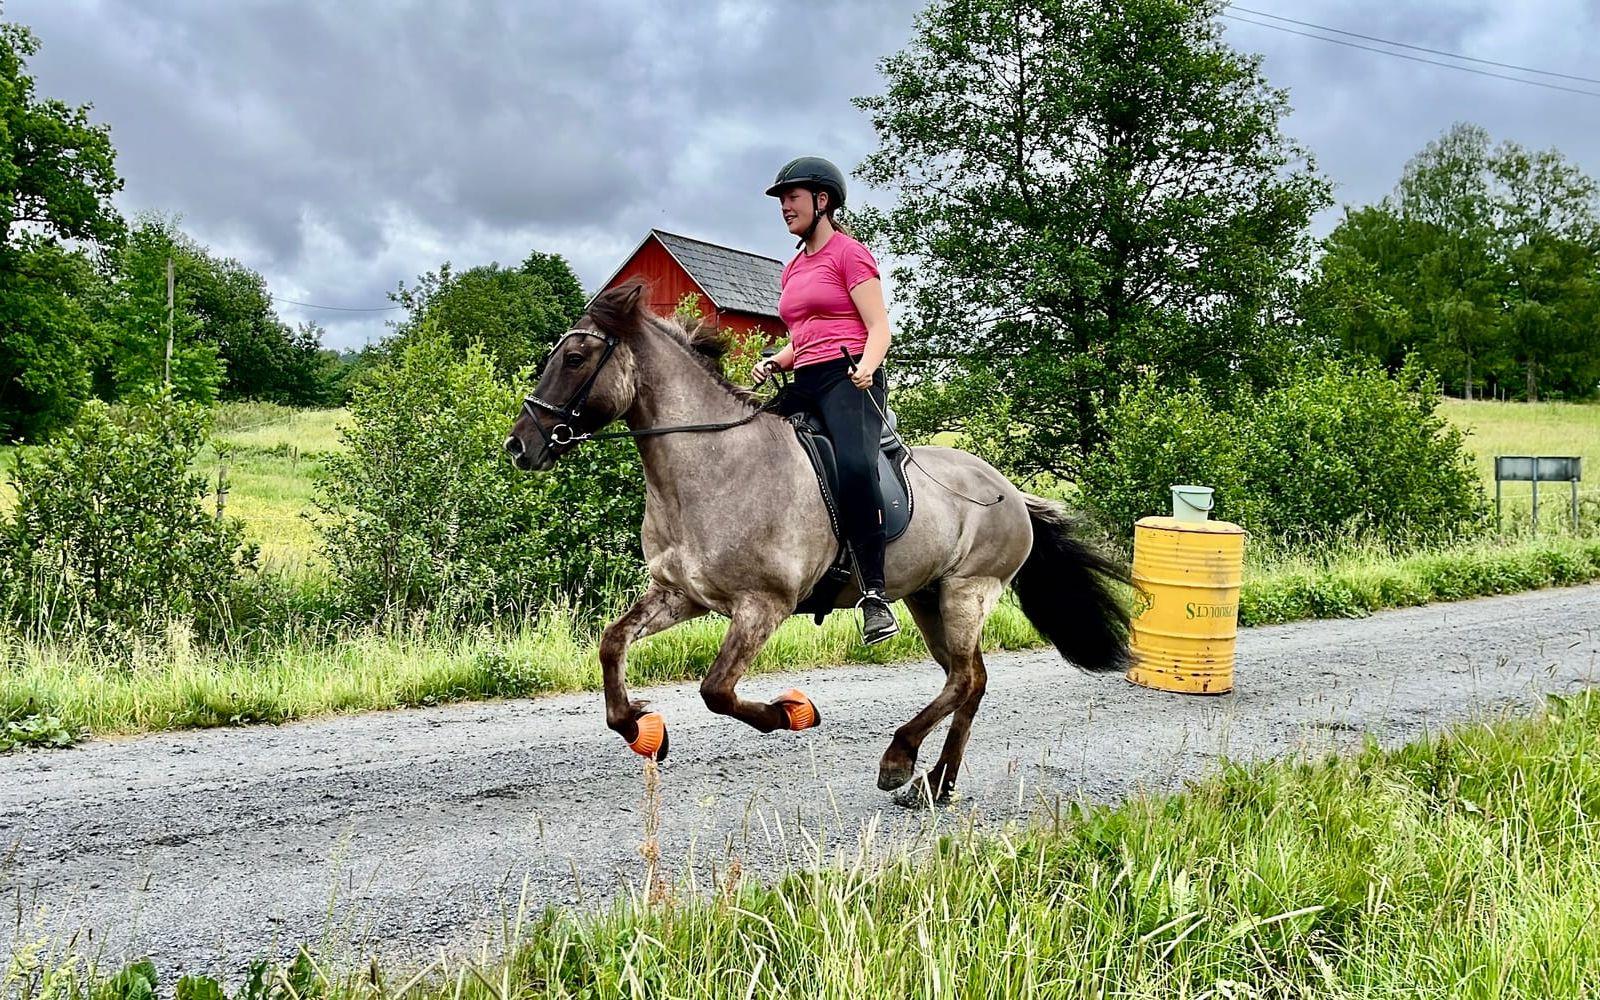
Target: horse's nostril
(514, 446)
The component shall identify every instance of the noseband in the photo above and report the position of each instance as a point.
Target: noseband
(564, 432)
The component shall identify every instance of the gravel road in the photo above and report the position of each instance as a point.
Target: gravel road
(399, 833)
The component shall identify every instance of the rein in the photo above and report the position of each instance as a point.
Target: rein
(563, 433)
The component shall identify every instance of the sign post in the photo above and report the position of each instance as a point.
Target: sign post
(1536, 469)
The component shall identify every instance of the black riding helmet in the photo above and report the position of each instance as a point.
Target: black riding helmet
(814, 174)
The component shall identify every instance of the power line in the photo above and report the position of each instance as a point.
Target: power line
(351, 309)
(1417, 48)
(1419, 59)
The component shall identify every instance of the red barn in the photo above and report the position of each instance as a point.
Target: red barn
(738, 290)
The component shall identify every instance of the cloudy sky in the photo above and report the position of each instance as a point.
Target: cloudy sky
(342, 147)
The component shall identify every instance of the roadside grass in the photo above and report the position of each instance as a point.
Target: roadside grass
(316, 669)
(1466, 865)
(1356, 582)
(175, 683)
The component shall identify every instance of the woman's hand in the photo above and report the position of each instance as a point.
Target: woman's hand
(861, 375)
(762, 371)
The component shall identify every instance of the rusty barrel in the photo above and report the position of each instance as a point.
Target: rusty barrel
(1186, 577)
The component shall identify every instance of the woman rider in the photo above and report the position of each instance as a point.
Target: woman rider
(831, 298)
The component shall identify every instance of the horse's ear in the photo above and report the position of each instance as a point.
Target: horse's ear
(616, 310)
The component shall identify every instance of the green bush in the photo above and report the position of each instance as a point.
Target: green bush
(422, 511)
(1350, 450)
(1339, 450)
(1155, 438)
(110, 531)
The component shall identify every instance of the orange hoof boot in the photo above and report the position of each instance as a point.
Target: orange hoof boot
(800, 710)
(652, 738)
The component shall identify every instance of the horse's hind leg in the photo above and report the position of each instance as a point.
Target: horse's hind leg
(658, 608)
(754, 620)
(964, 604)
(940, 781)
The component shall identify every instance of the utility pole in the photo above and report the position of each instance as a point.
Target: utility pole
(169, 321)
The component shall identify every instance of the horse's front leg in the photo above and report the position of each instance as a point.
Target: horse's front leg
(755, 618)
(659, 608)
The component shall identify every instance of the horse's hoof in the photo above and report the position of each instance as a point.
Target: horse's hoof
(892, 775)
(916, 796)
(802, 713)
(652, 738)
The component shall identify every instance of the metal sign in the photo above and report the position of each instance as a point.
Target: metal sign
(1537, 469)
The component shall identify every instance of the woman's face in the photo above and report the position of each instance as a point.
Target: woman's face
(795, 204)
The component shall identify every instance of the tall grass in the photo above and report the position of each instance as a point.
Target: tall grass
(1464, 866)
(172, 682)
(1354, 582)
(320, 668)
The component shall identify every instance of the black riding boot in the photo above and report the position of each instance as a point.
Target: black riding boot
(877, 618)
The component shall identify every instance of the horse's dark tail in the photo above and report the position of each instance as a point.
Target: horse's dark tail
(1070, 592)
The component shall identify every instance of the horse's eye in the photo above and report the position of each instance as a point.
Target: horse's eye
(573, 360)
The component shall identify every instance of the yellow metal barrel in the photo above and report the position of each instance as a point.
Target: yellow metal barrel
(1186, 576)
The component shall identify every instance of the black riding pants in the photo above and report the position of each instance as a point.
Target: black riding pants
(854, 424)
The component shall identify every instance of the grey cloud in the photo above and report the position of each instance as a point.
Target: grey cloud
(342, 147)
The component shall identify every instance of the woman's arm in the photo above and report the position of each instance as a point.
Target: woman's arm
(785, 358)
(868, 297)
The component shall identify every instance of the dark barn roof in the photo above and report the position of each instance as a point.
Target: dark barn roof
(735, 279)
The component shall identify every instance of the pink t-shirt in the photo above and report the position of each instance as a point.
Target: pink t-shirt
(815, 301)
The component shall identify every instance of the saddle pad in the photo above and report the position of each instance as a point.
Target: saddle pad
(897, 498)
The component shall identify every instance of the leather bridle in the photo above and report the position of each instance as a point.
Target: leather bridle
(568, 413)
(564, 432)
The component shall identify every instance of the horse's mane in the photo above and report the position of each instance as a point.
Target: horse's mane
(708, 346)
(619, 309)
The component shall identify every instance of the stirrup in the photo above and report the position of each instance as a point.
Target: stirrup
(872, 639)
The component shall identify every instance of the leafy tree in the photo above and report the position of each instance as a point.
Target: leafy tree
(263, 357)
(1359, 295)
(49, 339)
(1445, 190)
(1485, 262)
(57, 177)
(514, 313)
(1548, 237)
(228, 340)
(555, 272)
(133, 312)
(1087, 191)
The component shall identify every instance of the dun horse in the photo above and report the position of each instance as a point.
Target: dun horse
(734, 523)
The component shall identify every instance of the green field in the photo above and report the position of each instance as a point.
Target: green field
(1528, 429)
(1534, 429)
(1465, 866)
(271, 454)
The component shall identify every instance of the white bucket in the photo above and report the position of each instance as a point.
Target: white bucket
(1192, 503)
